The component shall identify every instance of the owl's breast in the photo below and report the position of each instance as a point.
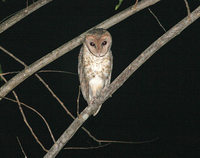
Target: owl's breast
(97, 66)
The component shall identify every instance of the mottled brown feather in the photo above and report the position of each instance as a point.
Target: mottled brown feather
(95, 64)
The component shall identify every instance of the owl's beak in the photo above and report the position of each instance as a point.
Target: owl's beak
(99, 53)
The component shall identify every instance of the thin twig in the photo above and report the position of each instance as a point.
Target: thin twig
(135, 5)
(22, 14)
(128, 142)
(41, 71)
(21, 147)
(88, 132)
(14, 57)
(26, 3)
(119, 81)
(9, 73)
(87, 148)
(77, 111)
(4, 19)
(57, 71)
(157, 20)
(188, 8)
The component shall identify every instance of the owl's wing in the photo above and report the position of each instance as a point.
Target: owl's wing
(107, 83)
(80, 61)
(83, 83)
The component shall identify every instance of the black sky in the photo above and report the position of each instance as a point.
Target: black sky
(161, 99)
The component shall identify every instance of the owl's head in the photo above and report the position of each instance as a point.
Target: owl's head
(98, 42)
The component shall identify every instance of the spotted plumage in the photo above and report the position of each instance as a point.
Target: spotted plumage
(95, 64)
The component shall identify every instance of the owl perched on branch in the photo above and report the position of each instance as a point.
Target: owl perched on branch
(95, 64)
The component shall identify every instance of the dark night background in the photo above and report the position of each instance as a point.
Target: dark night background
(161, 99)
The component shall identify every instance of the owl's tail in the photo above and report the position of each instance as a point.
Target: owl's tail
(97, 110)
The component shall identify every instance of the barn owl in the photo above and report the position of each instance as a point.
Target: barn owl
(95, 64)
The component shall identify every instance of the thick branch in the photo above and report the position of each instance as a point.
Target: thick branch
(28, 71)
(118, 82)
(22, 14)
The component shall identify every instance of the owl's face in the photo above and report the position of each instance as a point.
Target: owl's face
(98, 42)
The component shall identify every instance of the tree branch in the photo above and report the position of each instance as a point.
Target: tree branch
(21, 147)
(119, 81)
(22, 14)
(28, 71)
(157, 20)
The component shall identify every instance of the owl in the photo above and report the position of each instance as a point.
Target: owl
(95, 63)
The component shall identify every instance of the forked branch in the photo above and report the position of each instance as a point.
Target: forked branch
(119, 81)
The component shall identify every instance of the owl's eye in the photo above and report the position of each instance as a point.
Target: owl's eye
(104, 43)
(92, 44)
